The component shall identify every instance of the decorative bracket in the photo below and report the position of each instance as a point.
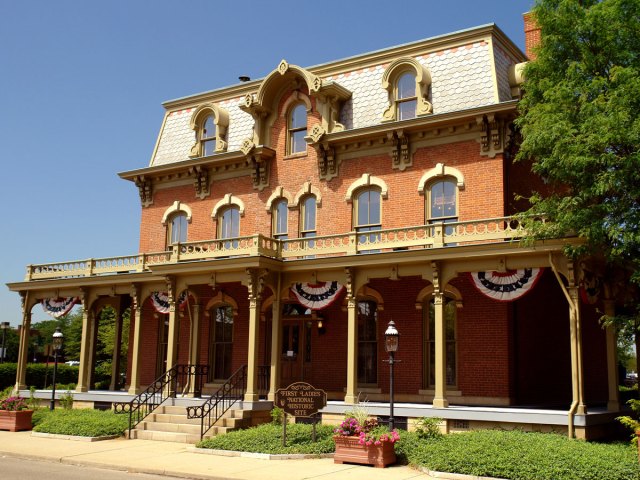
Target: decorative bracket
(328, 164)
(259, 160)
(145, 188)
(492, 133)
(201, 181)
(400, 154)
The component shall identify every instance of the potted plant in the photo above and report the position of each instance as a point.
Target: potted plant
(15, 414)
(364, 442)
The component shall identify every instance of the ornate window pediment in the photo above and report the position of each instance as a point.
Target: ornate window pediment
(209, 122)
(407, 81)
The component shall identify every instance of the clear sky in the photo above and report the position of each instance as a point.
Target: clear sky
(82, 82)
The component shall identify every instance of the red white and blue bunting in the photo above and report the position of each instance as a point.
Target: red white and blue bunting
(58, 307)
(590, 286)
(317, 296)
(506, 286)
(160, 300)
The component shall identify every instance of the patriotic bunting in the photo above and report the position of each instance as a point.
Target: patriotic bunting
(160, 300)
(317, 296)
(507, 286)
(58, 307)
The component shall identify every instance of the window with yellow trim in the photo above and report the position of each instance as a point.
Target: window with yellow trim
(207, 136)
(367, 343)
(367, 215)
(177, 227)
(406, 100)
(450, 317)
(297, 129)
(221, 345)
(442, 203)
(279, 219)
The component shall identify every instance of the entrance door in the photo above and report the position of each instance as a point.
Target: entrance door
(291, 358)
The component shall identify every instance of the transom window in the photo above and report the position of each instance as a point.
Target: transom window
(177, 229)
(208, 136)
(298, 129)
(367, 215)
(279, 219)
(221, 342)
(406, 99)
(450, 312)
(367, 343)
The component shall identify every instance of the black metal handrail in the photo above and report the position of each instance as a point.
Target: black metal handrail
(264, 377)
(161, 389)
(227, 395)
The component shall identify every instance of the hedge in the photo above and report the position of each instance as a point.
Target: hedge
(81, 422)
(36, 373)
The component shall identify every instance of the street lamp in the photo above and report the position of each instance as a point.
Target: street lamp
(391, 338)
(58, 339)
(4, 326)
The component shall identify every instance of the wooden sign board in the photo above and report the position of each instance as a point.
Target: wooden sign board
(300, 399)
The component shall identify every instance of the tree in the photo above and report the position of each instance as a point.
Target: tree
(580, 129)
(580, 126)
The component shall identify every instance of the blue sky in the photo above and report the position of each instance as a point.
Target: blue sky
(82, 82)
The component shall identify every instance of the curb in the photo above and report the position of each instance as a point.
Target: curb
(454, 476)
(262, 456)
(74, 438)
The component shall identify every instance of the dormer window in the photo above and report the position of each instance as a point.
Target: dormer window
(208, 136)
(298, 129)
(406, 100)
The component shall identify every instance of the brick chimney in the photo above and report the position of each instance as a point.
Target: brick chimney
(531, 34)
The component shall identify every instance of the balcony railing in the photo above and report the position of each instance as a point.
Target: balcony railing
(352, 243)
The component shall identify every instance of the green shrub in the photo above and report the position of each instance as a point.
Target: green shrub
(268, 439)
(66, 400)
(428, 427)
(518, 455)
(277, 416)
(37, 373)
(80, 422)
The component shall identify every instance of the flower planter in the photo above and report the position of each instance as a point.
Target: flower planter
(14, 421)
(349, 450)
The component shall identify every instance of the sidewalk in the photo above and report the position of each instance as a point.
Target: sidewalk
(174, 459)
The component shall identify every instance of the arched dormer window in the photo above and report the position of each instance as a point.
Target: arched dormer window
(408, 83)
(297, 129)
(176, 219)
(209, 122)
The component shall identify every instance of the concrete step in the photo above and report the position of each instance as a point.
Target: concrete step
(165, 436)
(169, 418)
(169, 427)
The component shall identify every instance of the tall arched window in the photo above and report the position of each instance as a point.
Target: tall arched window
(367, 343)
(221, 345)
(367, 215)
(442, 203)
(297, 128)
(207, 136)
(450, 315)
(177, 228)
(279, 218)
(406, 100)
(229, 225)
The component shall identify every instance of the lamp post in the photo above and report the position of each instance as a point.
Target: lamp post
(4, 326)
(58, 338)
(391, 338)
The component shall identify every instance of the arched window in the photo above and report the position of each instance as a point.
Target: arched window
(229, 225)
(221, 344)
(442, 203)
(406, 100)
(207, 136)
(279, 219)
(367, 343)
(450, 315)
(308, 216)
(297, 129)
(367, 215)
(177, 228)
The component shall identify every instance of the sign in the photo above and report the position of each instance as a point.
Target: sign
(300, 399)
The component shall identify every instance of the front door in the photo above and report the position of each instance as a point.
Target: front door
(291, 358)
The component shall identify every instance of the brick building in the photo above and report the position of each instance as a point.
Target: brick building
(285, 221)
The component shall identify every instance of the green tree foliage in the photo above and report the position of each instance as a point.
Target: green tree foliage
(581, 129)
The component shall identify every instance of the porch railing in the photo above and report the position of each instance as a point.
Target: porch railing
(220, 402)
(351, 243)
(164, 387)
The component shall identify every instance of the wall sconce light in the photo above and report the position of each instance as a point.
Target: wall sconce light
(319, 323)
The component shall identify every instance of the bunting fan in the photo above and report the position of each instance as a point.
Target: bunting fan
(507, 286)
(58, 307)
(317, 296)
(160, 300)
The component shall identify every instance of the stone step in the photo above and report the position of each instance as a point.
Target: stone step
(170, 418)
(165, 436)
(169, 427)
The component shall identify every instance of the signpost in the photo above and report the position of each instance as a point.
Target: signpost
(300, 399)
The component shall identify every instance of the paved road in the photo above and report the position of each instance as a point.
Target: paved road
(19, 469)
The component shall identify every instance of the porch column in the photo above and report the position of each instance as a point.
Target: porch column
(117, 345)
(577, 377)
(255, 291)
(84, 371)
(440, 396)
(21, 370)
(351, 395)
(134, 381)
(613, 405)
(194, 347)
(172, 337)
(276, 345)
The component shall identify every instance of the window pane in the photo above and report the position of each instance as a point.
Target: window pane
(280, 218)
(179, 228)
(208, 148)
(309, 209)
(230, 223)
(298, 143)
(407, 86)
(209, 128)
(407, 110)
(443, 199)
(298, 117)
(368, 208)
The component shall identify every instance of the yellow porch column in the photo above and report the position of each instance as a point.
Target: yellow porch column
(134, 381)
(21, 370)
(613, 404)
(577, 376)
(276, 345)
(351, 395)
(84, 371)
(255, 291)
(440, 396)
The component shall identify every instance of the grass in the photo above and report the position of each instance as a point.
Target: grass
(268, 439)
(517, 455)
(79, 422)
